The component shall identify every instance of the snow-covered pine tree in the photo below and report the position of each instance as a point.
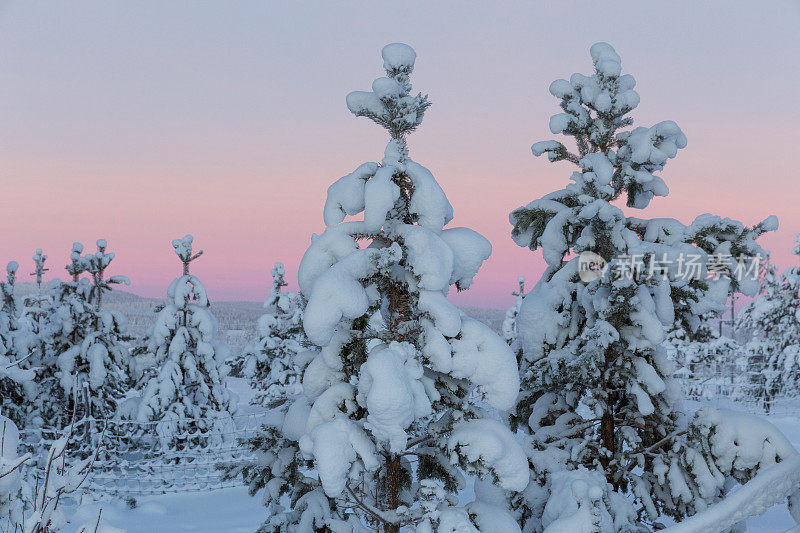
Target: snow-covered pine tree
(35, 306)
(17, 385)
(63, 323)
(32, 343)
(608, 447)
(187, 394)
(772, 356)
(269, 362)
(9, 318)
(90, 344)
(510, 321)
(386, 426)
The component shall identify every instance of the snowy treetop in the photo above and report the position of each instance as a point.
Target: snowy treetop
(390, 103)
(594, 109)
(613, 162)
(99, 260)
(95, 264)
(398, 57)
(39, 258)
(286, 302)
(183, 247)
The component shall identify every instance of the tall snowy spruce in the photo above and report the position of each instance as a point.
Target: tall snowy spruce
(608, 447)
(388, 422)
(186, 392)
(773, 321)
(269, 362)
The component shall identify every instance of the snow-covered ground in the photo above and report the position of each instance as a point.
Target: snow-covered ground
(224, 510)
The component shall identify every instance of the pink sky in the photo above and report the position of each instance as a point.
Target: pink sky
(142, 123)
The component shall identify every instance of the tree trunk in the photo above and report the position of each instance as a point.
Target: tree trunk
(608, 436)
(392, 489)
(609, 442)
(399, 310)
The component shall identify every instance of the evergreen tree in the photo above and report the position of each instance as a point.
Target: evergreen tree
(510, 321)
(608, 447)
(186, 394)
(9, 318)
(772, 356)
(17, 384)
(269, 362)
(35, 309)
(399, 366)
(90, 343)
(32, 342)
(79, 350)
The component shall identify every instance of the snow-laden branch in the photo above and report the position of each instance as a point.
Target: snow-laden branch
(768, 488)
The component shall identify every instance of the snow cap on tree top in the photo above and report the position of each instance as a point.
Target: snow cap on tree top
(12, 267)
(390, 103)
(183, 247)
(77, 247)
(770, 224)
(101, 244)
(39, 258)
(398, 56)
(606, 59)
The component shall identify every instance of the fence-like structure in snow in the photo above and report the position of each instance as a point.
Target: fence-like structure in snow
(137, 459)
(733, 386)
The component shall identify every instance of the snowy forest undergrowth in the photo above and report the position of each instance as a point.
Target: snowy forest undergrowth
(600, 404)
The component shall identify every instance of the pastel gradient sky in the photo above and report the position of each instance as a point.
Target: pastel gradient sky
(142, 121)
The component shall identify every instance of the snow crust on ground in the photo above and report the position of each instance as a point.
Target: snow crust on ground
(224, 510)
